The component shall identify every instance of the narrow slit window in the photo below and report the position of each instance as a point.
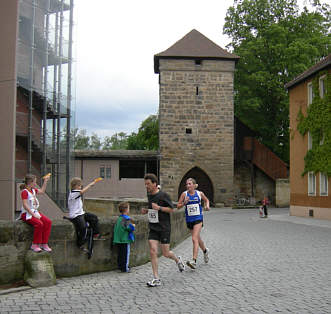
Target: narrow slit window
(188, 131)
(197, 91)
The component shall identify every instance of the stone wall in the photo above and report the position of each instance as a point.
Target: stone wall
(282, 193)
(197, 99)
(263, 185)
(16, 237)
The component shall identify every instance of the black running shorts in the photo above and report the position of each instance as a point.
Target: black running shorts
(191, 224)
(162, 236)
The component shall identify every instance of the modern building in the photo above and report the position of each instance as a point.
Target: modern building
(310, 190)
(36, 96)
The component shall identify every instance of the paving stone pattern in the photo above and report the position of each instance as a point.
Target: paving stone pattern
(277, 265)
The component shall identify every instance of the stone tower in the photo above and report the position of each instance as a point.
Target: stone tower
(196, 117)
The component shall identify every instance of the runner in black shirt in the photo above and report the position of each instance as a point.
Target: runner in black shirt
(159, 208)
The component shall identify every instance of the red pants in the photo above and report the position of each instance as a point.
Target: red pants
(42, 228)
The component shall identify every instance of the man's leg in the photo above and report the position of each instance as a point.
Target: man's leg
(153, 247)
(165, 248)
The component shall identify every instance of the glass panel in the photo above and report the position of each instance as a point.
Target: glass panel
(311, 184)
(323, 184)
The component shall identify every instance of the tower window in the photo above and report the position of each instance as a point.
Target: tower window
(188, 131)
(197, 91)
(197, 62)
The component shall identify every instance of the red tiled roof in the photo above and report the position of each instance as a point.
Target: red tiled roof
(193, 45)
(312, 70)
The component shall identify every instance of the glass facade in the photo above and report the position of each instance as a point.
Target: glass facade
(46, 88)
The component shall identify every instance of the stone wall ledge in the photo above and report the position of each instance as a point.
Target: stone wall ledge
(68, 260)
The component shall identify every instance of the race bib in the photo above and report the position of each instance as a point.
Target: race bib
(153, 216)
(193, 209)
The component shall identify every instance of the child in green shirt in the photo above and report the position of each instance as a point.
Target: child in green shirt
(123, 236)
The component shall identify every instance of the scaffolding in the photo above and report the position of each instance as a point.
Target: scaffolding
(46, 84)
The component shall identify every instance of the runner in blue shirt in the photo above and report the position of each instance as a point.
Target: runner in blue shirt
(191, 199)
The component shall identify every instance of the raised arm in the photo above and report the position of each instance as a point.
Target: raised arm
(87, 187)
(43, 187)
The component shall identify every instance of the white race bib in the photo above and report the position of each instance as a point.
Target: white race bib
(193, 209)
(153, 216)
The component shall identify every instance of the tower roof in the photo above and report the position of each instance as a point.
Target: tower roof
(194, 45)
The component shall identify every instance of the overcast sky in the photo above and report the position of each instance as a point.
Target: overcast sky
(116, 88)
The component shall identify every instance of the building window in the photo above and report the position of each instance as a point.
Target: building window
(322, 139)
(310, 93)
(310, 141)
(323, 184)
(311, 184)
(102, 172)
(322, 86)
(108, 172)
(197, 91)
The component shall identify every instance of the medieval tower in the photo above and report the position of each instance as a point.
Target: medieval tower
(196, 118)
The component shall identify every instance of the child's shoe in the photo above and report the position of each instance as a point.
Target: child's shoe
(35, 248)
(98, 236)
(46, 248)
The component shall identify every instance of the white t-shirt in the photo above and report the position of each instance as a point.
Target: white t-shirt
(75, 204)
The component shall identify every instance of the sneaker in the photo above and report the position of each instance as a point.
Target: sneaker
(180, 264)
(35, 248)
(206, 256)
(46, 248)
(154, 282)
(192, 264)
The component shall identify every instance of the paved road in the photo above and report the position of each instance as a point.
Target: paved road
(277, 265)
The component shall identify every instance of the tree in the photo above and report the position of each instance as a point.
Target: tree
(116, 141)
(275, 42)
(81, 139)
(95, 142)
(147, 136)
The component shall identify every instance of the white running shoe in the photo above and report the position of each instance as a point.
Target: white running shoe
(192, 264)
(154, 282)
(180, 264)
(206, 256)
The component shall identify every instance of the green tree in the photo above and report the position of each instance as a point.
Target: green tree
(116, 141)
(275, 42)
(81, 139)
(95, 142)
(147, 137)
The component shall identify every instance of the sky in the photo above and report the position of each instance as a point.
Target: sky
(115, 42)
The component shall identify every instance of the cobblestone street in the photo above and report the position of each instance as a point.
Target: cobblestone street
(280, 264)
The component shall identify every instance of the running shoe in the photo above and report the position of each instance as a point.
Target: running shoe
(206, 256)
(180, 264)
(192, 264)
(154, 282)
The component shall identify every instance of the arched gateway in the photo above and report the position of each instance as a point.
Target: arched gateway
(204, 183)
